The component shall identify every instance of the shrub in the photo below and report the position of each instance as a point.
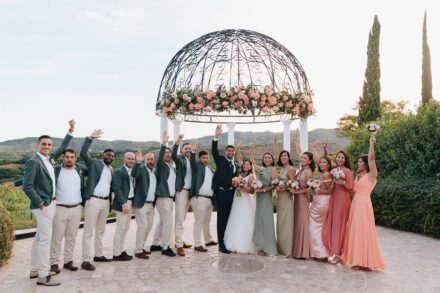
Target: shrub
(409, 205)
(6, 235)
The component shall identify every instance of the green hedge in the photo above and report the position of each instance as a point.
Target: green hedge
(409, 205)
(6, 235)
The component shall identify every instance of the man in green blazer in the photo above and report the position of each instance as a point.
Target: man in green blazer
(201, 194)
(143, 203)
(123, 202)
(165, 191)
(97, 197)
(39, 186)
(183, 187)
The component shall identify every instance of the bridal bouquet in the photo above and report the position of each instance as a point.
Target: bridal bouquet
(373, 128)
(277, 182)
(257, 183)
(238, 181)
(338, 173)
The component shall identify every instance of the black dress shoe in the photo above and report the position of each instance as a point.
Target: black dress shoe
(155, 248)
(212, 243)
(88, 266)
(55, 268)
(101, 259)
(70, 266)
(122, 257)
(224, 250)
(141, 255)
(168, 252)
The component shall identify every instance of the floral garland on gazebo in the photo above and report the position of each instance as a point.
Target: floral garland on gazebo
(242, 99)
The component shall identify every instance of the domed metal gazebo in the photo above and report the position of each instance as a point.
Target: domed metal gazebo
(235, 77)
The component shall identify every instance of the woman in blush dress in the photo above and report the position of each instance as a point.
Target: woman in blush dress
(319, 208)
(361, 250)
(301, 237)
(339, 208)
(240, 227)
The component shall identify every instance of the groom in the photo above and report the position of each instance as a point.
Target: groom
(222, 185)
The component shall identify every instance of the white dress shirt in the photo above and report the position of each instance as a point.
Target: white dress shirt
(102, 189)
(206, 188)
(50, 169)
(152, 186)
(171, 181)
(131, 192)
(68, 190)
(188, 176)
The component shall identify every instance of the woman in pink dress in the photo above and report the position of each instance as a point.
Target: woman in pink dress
(361, 250)
(318, 210)
(333, 233)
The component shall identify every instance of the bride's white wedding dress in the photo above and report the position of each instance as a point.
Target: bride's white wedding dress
(240, 227)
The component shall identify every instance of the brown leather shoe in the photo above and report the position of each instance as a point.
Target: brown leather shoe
(141, 255)
(55, 268)
(180, 251)
(200, 248)
(186, 245)
(101, 259)
(212, 243)
(146, 252)
(70, 266)
(87, 266)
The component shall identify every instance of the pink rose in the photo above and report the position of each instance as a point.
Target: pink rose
(233, 98)
(289, 104)
(285, 98)
(225, 104)
(199, 99)
(296, 110)
(223, 95)
(191, 106)
(229, 93)
(173, 106)
(263, 98)
(275, 109)
(268, 91)
(185, 97)
(310, 108)
(216, 101)
(262, 104)
(272, 101)
(264, 109)
(198, 106)
(176, 101)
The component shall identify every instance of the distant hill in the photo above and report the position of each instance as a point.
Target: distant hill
(27, 145)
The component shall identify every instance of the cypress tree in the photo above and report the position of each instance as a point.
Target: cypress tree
(426, 67)
(369, 102)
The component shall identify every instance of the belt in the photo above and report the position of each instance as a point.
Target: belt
(131, 198)
(187, 189)
(69, 206)
(103, 198)
(149, 201)
(224, 189)
(210, 197)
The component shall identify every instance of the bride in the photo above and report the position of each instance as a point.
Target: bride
(240, 227)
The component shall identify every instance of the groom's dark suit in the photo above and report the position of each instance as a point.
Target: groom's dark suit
(223, 189)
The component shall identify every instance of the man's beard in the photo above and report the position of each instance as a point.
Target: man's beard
(69, 164)
(108, 161)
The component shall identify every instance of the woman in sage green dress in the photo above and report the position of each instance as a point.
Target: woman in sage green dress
(264, 228)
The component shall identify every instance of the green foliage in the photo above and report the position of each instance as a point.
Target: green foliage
(409, 205)
(6, 235)
(369, 102)
(17, 204)
(426, 67)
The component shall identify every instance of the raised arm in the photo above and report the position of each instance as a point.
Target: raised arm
(325, 147)
(176, 146)
(65, 143)
(214, 148)
(276, 148)
(159, 162)
(252, 159)
(135, 172)
(315, 152)
(372, 158)
(297, 144)
(192, 159)
(84, 153)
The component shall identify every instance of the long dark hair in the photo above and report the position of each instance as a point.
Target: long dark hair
(347, 163)
(242, 170)
(288, 155)
(364, 158)
(262, 160)
(312, 162)
(329, 162)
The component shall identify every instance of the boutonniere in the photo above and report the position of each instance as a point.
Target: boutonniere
(80, 172)
(52, 161)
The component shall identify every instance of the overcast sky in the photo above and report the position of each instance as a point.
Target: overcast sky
(101, 62)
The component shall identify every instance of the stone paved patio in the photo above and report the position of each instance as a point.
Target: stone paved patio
(413, 265)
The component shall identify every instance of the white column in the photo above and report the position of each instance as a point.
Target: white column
(304, 135)
(163, 125)
(177, 123)
(286, 134)
(231, 127)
